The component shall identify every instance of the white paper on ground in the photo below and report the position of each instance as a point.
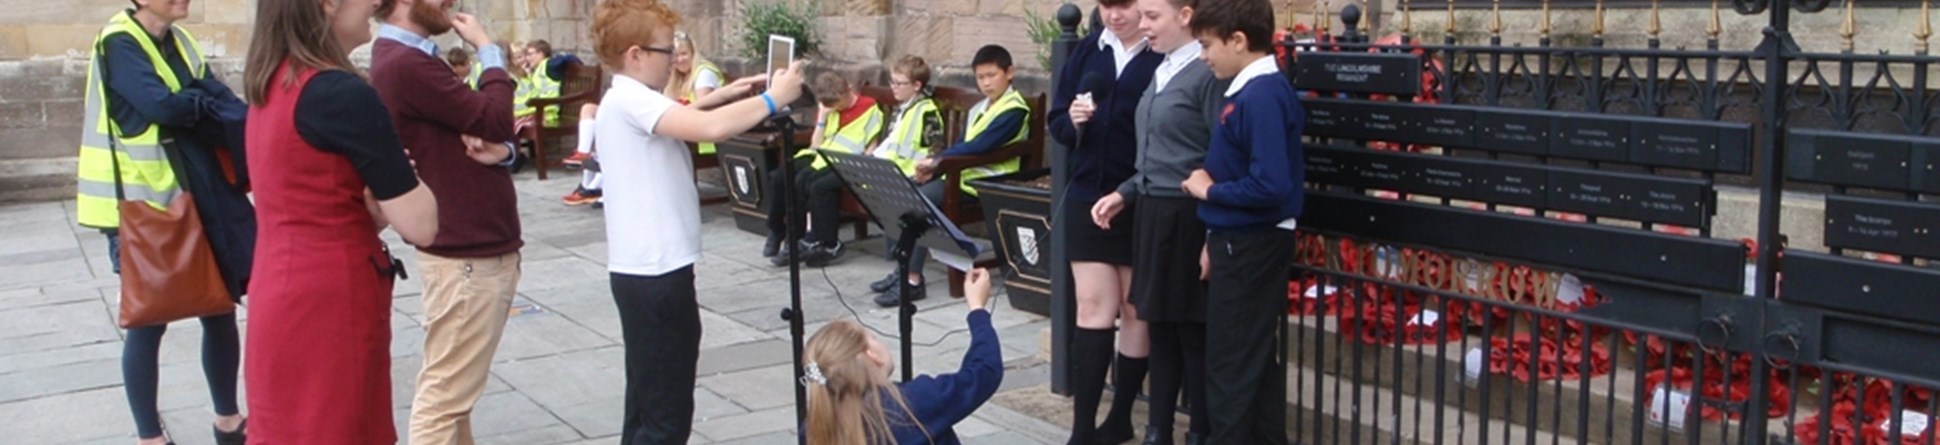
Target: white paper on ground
(1570, 291)
(1916, 423)
(1472, 366)
(1670, 409)
(1426, 318)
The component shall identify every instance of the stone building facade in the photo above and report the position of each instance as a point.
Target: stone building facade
(43, 45)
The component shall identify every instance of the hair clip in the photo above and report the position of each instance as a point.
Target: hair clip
(813, 374)
(680, 35)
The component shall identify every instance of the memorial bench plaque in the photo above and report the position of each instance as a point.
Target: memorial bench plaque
(1379, 73)
(1642, 198)
(1908, 228)
(1591, 137)
(1851, 159)
(1513, 131)
(1694, 145)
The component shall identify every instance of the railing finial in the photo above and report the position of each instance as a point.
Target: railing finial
(1596, 25)
(1495, 22)
(1365, 19)
(1325, 17)
(1656, 26)
(1717, 24)
(1925, 31)
(1449, 27)
(1848, 29)
(1544, 27)
(1407, 18)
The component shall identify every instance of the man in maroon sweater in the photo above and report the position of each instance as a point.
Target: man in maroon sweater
(472, 269)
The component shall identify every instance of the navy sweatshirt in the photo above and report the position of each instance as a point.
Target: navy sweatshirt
(1002, 128)
(942, 401)
(1256, 159)
(1110, 140)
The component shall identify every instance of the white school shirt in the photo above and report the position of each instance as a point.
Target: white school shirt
(653, 213)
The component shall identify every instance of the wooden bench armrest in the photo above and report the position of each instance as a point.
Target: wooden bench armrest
(950, 169)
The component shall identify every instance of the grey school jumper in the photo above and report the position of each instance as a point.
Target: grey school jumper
(1168, 153)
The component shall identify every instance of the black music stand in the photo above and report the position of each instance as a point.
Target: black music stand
(895, 204)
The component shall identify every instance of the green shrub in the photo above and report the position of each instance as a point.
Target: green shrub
(760, 18)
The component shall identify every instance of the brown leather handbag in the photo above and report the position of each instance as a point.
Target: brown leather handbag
(168, 271)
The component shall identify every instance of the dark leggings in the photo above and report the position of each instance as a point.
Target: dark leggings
(140, 369)
(141, 364)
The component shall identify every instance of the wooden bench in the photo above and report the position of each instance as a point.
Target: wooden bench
(954, 105)
(584, 83)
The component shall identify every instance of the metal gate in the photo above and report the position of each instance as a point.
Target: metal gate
(1515, 244)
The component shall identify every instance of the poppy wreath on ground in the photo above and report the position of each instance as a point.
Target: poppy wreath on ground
(1513, 357)
(1381, 316)
(1715, 387)
(1847, 423)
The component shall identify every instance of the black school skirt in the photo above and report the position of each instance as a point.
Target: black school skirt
(1166, 238)
(1084, 241)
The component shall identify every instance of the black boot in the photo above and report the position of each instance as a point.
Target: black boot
(1195, 438)
(1090, 358)
(1127, 379)
(772, 247)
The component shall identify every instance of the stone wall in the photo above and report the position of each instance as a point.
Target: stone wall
(43, 44)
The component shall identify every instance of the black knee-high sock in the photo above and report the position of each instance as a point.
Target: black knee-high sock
(1192, 346)
(1167, 368)
(1090, 358)
(1128, 377)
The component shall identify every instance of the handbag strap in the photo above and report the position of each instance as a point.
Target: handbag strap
(114, 131)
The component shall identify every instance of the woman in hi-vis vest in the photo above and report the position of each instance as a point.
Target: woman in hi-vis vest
(158, 118)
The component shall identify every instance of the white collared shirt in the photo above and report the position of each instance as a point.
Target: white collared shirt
(1265, 65)
(652, 212)
(1175, 62)
(1121, 55)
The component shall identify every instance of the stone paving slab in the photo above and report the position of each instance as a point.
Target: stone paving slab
(557, 377)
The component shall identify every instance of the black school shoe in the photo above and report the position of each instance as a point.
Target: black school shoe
(823, 254)
(892, 297)
(883, 285)
(772, 247)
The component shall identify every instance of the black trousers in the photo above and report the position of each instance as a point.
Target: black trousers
(661, 323)
(820, 191)
(1246, 384)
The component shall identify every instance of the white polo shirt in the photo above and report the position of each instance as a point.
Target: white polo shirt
(653, 214)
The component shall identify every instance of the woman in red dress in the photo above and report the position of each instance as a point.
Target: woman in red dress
(330, 176)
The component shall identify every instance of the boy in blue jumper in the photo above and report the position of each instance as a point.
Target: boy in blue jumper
(851, 400)
(1251, 193)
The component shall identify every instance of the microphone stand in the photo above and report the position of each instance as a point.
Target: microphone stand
(793, 313)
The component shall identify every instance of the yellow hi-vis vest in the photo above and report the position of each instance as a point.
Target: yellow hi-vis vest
(471, 78)
(540, 86)
(521, 92)
(145, 171)
(905, 145)
(706, 148)
(1009, 101)
(852, 138)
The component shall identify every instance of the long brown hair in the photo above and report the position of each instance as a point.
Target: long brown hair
(294, 30)
(846, 392)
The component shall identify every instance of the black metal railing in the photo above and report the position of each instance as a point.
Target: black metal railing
(1522, 248)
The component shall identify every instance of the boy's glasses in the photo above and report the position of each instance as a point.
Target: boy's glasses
(667, 51)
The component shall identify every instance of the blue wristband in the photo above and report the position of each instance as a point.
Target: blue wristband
(771, 103)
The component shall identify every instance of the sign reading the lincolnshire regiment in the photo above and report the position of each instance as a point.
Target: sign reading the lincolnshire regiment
(1397, 74)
